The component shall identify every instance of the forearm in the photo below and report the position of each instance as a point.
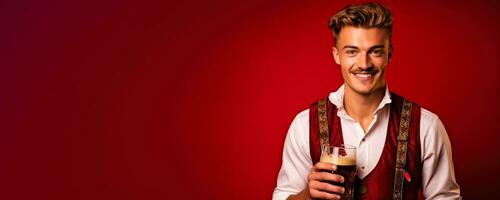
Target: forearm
(303, 195)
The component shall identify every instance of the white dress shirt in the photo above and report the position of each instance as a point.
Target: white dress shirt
(438, 177)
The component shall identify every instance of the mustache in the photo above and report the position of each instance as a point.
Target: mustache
(364, 71)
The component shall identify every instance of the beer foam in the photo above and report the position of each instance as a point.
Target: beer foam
(338, 160)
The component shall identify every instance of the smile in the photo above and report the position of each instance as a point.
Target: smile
(364, 76)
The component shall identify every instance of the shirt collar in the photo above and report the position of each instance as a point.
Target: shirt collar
(337, 98)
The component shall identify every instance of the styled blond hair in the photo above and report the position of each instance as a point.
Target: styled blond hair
(368, 15)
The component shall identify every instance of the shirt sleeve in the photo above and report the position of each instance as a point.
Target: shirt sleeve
(438, 175)
(296, 162)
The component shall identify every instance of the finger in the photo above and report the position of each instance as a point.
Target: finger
(323, 195)
(324, 166)
(325, 176)
(326, 187)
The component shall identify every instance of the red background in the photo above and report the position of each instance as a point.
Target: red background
(192, 99)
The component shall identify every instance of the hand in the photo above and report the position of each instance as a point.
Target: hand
(318, 187)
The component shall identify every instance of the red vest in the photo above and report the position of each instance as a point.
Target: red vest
(379, 183)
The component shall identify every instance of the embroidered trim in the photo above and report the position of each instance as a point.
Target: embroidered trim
(323, 123)
(404, 125)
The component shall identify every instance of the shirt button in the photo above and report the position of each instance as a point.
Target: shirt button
(362, 167)
(362, 140)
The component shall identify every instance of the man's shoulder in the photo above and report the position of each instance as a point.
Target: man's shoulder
(427, 115)
(302, 117)
(429, 123)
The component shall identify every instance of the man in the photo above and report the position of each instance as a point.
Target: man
(363, 113)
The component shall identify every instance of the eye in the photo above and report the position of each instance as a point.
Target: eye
(377, 52)
(351, 52)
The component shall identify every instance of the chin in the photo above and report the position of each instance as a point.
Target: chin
(360, 90)
(364, 90)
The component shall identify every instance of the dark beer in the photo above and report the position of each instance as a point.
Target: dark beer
(346, 167)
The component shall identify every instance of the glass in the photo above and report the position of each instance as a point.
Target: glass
(344, 156)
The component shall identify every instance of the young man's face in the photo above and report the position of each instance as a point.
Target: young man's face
(363, 54)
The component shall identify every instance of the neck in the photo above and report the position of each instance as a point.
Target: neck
(361, 106)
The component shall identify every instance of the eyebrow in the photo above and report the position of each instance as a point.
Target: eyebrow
(348, 46)
(377, 46)
(371, 48)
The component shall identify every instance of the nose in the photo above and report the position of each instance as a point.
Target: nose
(364, 62)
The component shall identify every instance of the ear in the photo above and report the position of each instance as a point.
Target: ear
(336, 55)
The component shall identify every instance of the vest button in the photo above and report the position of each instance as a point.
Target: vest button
(362, 189)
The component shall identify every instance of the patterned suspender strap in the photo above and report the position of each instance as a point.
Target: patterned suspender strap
(404, 125)
(323, 123)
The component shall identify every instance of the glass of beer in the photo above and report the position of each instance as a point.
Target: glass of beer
(344, 156)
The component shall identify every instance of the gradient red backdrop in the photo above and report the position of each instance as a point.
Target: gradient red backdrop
(192, 99)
